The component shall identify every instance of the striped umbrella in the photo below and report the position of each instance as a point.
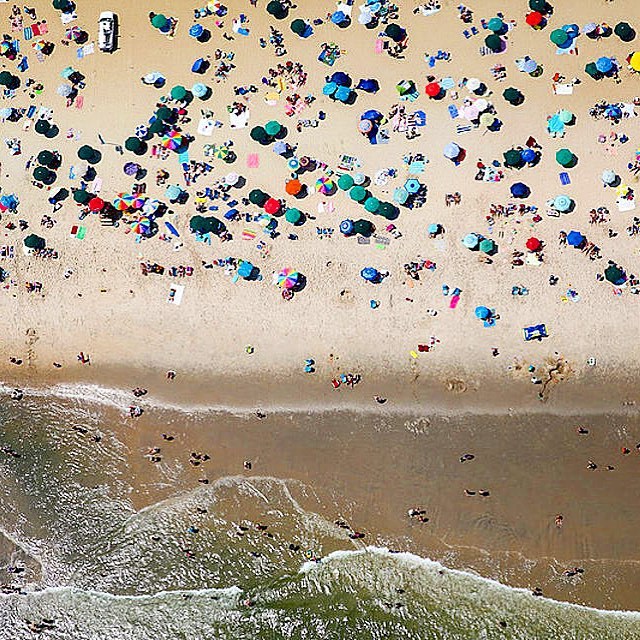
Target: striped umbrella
(172, 140)
(141, 226)
(287, 278)
(137, 202)
(325, 185)
(123, 201)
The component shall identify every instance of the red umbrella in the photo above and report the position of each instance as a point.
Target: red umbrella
(533, 244)
(272, 206)
(96, 204)
(433, 89)
(534, 19)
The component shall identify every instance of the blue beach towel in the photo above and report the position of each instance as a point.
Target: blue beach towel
(453, 111)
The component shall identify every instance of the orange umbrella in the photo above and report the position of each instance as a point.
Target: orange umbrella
(293, 187)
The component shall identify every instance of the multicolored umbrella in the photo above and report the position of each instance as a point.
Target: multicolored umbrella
(288, 278)
(141, 226)
(220, 151)
(172, 140)
(123, 201)
(325, 185)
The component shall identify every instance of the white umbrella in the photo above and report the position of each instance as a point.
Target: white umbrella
(608, 176)
(365, 17)
(473, 84)
(451, 151)
(64, 90)
(481, 104)
(150, 206)
(232, 179)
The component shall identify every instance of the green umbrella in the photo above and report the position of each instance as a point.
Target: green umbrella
(565, 116)
(276, 9)
(625, 31)
(494, 42)
(345, 182)
(513, 96)
(5, 77)
(85, 152)
(62, 5)
(45, 158)
(259, 134)
(395, 32)
(199, 224)
(133, 144)
(81, 196)
(614, 275)
(592, 70)
(52, 131)
(50, 178)
(34, 242)
(273, 128)
(294, 216)
(540, 6)
(566, 158)
(372, 205)
(363, 227)
(157, 126)
(258, 197)
(178, 92)
(358, 193)
(42, 126)
(164, 113)
(298, 26)
(558, 36)
(387, 210)
(40, 174)
(159, 21)
(496, 25)
(512, 158)
(487, 246)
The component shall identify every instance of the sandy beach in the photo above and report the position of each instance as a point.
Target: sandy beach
(437, 336)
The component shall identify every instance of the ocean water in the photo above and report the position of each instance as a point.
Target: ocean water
(193, 564)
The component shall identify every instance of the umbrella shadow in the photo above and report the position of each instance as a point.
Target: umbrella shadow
(300, 285)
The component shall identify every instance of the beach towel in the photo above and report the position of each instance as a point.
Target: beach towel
(417, 166)
(66, 18)
(248, 234)
(183, 158)
(463, 128)
(453, 111)
(79, 102)
(564, 178)
(562, 89)
(454, 302)
(43, 28)
(379, 45)
(24, 64)
(96, 186)
(239, 121)
(27, 33)
(80, 53)
(82, 232)
(205, 127)
(253, 161)
(89, 48)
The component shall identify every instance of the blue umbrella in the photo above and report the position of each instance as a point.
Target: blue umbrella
(434, 228)
(575, 238)
(338, 17)
(173, 192)
(604, 65)
(613, 111)
(572, 30)
(329, 89)
(279, 147)
(369, 85)
(346, 227)
(372, 114)
(196, 30)
(171, 229)
(520, 190)
(412, 186)
(370, 274)
(293, 164)
(483, 313)
(471, 241)
(199, 90)
(245, 269)
(555, 124)
(341, 78)
(342, 93)
(400, 195)
(200, 66)
(528, 155)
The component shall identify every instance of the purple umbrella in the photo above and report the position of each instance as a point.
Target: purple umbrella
(131, 168)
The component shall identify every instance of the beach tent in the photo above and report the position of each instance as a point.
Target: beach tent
(566, 158)
(33, 241)
(345, 182)
(370, 85)
(575, 239)
(341, 79)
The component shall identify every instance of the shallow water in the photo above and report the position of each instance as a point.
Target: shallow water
(191, 563)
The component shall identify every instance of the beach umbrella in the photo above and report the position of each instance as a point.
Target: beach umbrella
(141, 226)
(150, 206)
(358, 193)
(345, 182)
(554, 124)
(387, 210)
(609, 176)
(433, 89)
(346, 227)
(277, 10)
(178, 92)
(271, 206)
(512, 158)
(5, 112)
(565, 116)
(33, 241)
(232, 179)
(158, 126)
(42, 127)
(133, 144)
(613, 111)
(471, 241)
(123, 201)
(520, 190)
(566, 158)
(534, 19)
(529, 66)
(365, 126)
(592, 70)
(343, 94)
(338, 17)
(259, 134)
(131, 168)
(562, 203)
(412, 186)
(513, 96)
(487, 246)
(400, 195)
(172, 140)
(341, 79)
(371, 114)
(372, 204)
(273, 128)
(288, 278)
(325, 185)
(280, 148)
(5, 77)
(152, 77)
(539, 5)
(96, 204)
(40, 174)
(363, 227)
(173, 192)
(625, 31)
(433, 228)
(165, 114)
(329, 89)
(85, 152)
(159, 21)
(533, 244)
(199, 224)
(292, 163)
(63, 90)
(604, 64)
(294, 216)
(298, 26)
(81, 196)
(634, 61)
(46, 158)
(573, 31)
(258, 197)
(196, 30)
(590, 27)
(494, 42)
(482, 313)
(370, 274)
(199, 90)
(487, 120)
(615, 275)
(359, 178)
(575, 238)
(370, 85)
(395, 32)
(451, 151)
(293, 187)
(558, 37)
(496, 25)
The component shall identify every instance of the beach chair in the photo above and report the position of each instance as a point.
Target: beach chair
(535, 332)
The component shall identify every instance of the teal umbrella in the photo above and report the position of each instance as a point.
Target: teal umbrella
(562, 203)
(358, 193)
(294, 216)
(496, 25)
(372, 205)
(345, 182)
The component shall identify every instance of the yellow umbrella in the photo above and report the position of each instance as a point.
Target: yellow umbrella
(487, 119)
(634, 62)
(622, 190)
